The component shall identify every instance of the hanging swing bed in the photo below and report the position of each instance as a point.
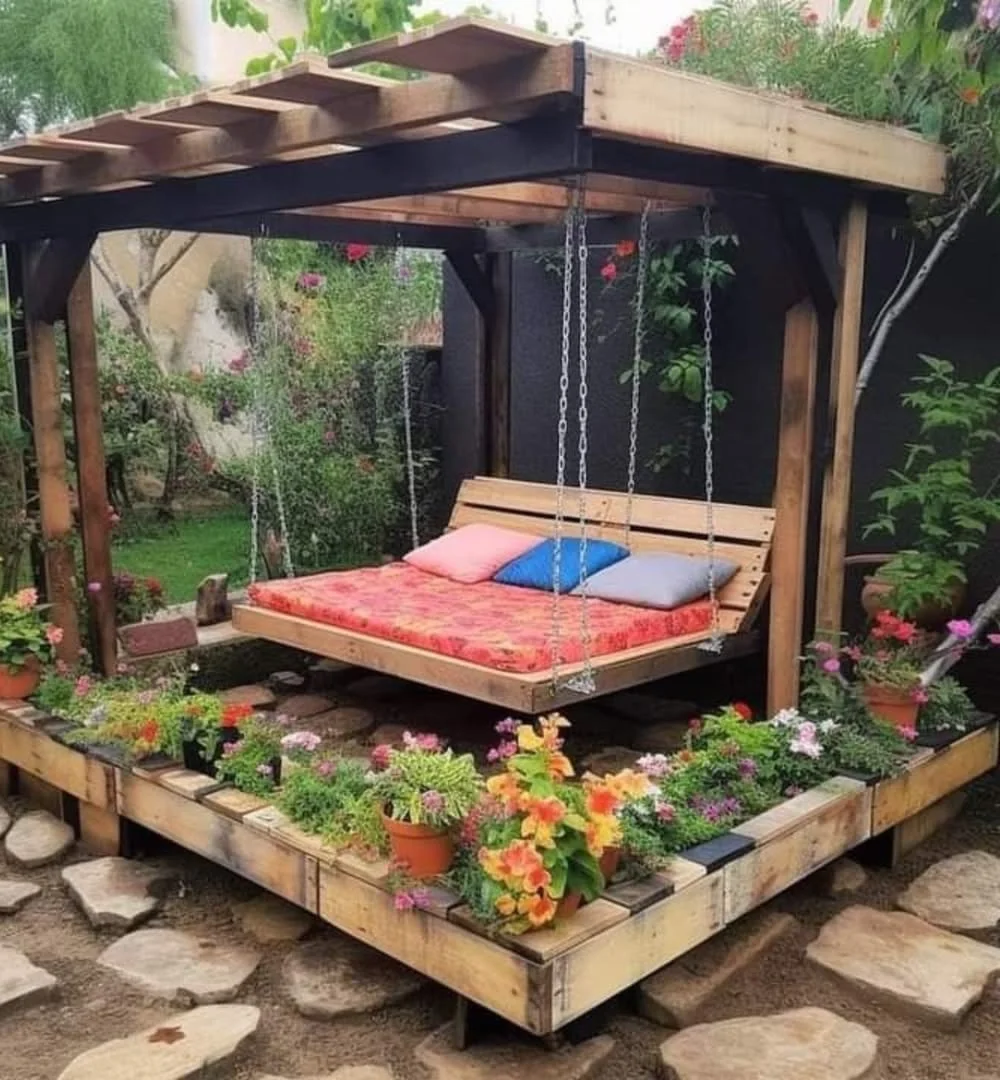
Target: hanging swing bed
(533, 649)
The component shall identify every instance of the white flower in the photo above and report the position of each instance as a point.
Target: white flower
(827, 726)
(786, 718)
(807, 747)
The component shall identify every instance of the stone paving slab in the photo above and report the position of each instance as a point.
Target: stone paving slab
(38, 838)
(5, 821)
(804, 1044)
(513, 1058)
(181, 967)
(907, 965)
(338, 976)
(14, 894)
(268, 918)
(960, 893)
(115, 892)
(181, 1046)
(21, 982)
(347, 1072)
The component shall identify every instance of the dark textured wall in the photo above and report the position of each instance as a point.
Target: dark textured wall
(957, 317)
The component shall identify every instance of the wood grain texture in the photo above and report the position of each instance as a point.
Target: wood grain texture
(232, 803)
(35, 753)
(836, 827)
(470, 965)
(933, 777)
(913, 831)
(100, 829)
(251, 853)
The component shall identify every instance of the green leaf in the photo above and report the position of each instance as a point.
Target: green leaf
(288, 46)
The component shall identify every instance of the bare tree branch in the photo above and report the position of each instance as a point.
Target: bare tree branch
(147, 289)
(950, 650)
(893, 312)
(122, 293)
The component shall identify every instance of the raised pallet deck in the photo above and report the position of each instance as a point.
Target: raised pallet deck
(540, 981)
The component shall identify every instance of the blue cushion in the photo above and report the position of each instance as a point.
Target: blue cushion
(535, 569)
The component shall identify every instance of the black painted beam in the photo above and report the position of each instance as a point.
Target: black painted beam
(551, 145)
(51, 271)
(812, 245)
(669, 227)
(470, 272)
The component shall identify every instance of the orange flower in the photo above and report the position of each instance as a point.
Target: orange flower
(602, 800)
(520, 858)
(541, 910)
(541, 818)
(506, 905)
(601, 833)
(537, 879)
(629, 784)
(625, 249)
(559, 765)
(491, 863)
(504, 787)
(970, 95)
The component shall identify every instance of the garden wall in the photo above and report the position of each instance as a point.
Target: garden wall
(955, 318)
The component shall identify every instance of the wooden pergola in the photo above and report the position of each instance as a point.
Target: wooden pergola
(478, 157)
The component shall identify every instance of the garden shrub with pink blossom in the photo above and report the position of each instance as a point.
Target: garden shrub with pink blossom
(25, 635)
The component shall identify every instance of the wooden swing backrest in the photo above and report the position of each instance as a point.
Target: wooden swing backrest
(743, 533)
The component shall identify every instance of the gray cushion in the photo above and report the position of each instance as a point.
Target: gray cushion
(658, 581)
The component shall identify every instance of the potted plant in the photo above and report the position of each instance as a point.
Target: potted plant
(252, 763)
(424, 791)
(940, 491)
(26, 642)
(198, 726)
(887, 665)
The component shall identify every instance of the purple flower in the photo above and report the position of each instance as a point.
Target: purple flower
(988, 16)
(792, 790)
(993, 639)
(230, 748)
(961, 628)
(654, 766)
(506, 727)
(403, 901)
(747, 768)
(831, 666)
(306, 741)
(310, 281)
(433, 802)
(265, 770)
(823, 647)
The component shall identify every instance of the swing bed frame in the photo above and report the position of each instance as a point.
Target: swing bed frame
(481, 155)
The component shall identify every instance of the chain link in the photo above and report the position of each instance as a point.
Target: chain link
(640, 329)
(714, 644)
(411, 476)
(561, 431)
(254, 348)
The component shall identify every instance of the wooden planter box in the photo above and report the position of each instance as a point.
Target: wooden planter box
(539, 981)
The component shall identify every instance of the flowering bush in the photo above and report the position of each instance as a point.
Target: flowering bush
(136, 599)
(537, 838)
(24, 634)
(253, 763)
(423, 783)
(332, 798)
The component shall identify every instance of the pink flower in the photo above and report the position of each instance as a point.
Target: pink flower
(380, 757)
(240, 363)
(609, 271)
(325, 769)
(993, 639)
(356, 252)
(310, 281)
(831, 666)
(747, 768)
(920, 696)
(421, 741)
(265, 770)
(26, 599)
(93, 587)
(329, 437)
(307, 741)
(230, 748)
(664, 811)
(823, 647)
(403, 901)
(433, 802)
(909, 733)
(53, 634)
(506, 727)
(852, 652)
(83, 686)
(961, 628)
(654, 766)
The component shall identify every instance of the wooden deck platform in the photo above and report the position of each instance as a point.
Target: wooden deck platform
(540, 981)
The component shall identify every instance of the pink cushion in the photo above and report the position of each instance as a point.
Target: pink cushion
(472, 553)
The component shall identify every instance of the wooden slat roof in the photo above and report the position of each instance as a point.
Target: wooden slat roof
(473, 74)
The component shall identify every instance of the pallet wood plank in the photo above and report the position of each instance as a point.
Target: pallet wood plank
(634, 948)
(788, 815)
(932, 777)
(679, 873)
(375, 872)
(78, 775)
(186, 782)
(474, 967)
(232, 802)
(637, 895)
(100, 829)
(251, 853)
(834, 828)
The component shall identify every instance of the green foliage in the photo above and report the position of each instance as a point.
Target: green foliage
(24, 633)
(332, 798)
(251, 764)
(427, 787)
(948, 707)
(939, 490)
(65, 59)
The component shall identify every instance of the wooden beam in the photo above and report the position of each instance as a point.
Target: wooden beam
(53, 489)
(791, 503)
(550, 145)
(838, 467)
(518, 88)
(498, 361)
(650, 103)
(91, 473)
(54, 267)
(477, 284)
(813, 251)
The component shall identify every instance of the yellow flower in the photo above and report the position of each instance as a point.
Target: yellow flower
(629, 784)
(560, 767)
(527, 739)
(541, 818)
(491, 863)
(504, 787)
(602, 832)
(506, 905)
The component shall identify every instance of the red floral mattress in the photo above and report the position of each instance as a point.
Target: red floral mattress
(497, 626)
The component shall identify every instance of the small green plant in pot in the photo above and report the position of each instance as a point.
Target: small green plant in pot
(424, 791)
(252, 763)
(26, 642)
(941, 493)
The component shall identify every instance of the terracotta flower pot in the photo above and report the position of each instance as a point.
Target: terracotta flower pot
(425, 850)
(610, 858)
(17, 683)
(569, 905)
(929, 616)
(896, 707)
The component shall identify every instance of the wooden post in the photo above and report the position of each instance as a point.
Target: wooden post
(791, 503)
(498, 360)
(53, 490)
(92, 482)
(838, 467)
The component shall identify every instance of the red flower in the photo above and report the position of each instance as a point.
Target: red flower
(695, 725)
(154, 587)
(625, 249)
(149, 732)
(233, 714)
(743, 710)
(356, 252)
(609, 271)
(970, 95)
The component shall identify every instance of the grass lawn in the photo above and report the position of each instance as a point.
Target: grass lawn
(182, 553)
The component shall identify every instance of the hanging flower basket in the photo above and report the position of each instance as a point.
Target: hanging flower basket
(895, 706)
(425, 850)
(19, 682)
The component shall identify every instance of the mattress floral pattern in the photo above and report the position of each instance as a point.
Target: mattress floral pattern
(497, 626)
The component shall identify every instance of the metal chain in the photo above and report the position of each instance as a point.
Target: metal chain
(584, 682)
(561, 430)
(714, 644)
(404, 277)
(256, 407)
(640, 312)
